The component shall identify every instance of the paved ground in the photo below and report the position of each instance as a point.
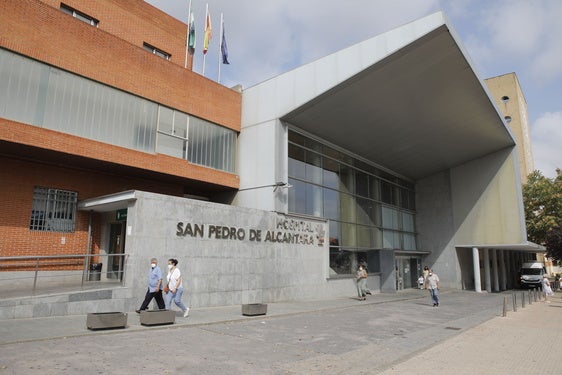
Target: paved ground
(388, 334)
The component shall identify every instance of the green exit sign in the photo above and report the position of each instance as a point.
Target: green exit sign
(121, 214)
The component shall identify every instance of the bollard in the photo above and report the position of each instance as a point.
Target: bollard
(504, 313)
(536, 295)
(514, 299)
(530, 298)
(523, 299)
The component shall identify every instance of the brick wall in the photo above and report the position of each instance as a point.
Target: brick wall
(112, 53)
(18, 181)
(30, 135)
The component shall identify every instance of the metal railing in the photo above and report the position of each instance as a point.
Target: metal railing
(45, 274)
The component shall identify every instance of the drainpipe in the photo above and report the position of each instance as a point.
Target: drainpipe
(87, 260)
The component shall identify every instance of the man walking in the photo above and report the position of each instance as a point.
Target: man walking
(154, 287)
(432, 283)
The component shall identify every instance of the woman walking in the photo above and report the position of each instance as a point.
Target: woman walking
(546, 288)
(175, 287)
(361, 278)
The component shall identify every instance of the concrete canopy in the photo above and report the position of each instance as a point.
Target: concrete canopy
(418, 110)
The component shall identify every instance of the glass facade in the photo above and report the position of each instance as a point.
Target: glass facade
(368, 208)
(38, 94)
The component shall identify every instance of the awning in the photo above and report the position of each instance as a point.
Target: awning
(527, 246)
(107, 203)
(417, 111)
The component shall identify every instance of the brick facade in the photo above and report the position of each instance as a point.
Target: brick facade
(112, 54)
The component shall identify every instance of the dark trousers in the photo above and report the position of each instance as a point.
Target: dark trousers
(157, 296)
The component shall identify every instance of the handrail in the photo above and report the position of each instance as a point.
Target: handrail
(58, 256)
(37, 262)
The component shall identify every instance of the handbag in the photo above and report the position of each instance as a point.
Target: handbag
(166, 289)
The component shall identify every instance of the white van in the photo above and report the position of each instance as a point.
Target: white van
(530, 274)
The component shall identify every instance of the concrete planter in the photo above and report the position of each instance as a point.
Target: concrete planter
(106, 320)
(157, 317)
(252, 309)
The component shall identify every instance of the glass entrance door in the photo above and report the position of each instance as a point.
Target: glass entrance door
(116, 247)
(407, 271)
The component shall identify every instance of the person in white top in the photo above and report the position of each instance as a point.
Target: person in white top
(175, 287)
(546, 289)
(432, 283)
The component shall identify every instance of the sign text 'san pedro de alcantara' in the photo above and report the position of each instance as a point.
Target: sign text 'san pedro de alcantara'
(289, 231)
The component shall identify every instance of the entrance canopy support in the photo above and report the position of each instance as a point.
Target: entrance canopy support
(476, 267)
(500, 269)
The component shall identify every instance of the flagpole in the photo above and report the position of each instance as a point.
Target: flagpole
(204, 36)
(220, 54)
(187, 37)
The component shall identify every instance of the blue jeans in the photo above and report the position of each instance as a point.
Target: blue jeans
(434, 295)
(362, 287)
(177, 299)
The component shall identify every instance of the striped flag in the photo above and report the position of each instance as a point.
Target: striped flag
(208, 32)
(191, 38)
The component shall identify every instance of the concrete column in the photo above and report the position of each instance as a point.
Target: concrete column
(495, 273)
(476, 267)
(487, 278)
(503, 271)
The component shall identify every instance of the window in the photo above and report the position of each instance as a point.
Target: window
(51, 98)
(156, 51)
(79, 15)
(211, 145)
(172, 132)
(368, 209)
(53, 210)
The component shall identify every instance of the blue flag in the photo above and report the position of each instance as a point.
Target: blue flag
(224, 48)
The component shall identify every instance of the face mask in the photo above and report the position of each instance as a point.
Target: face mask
(153, 265)
(170, 266)
(430, 274)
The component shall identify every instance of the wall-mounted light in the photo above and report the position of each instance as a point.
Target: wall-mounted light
(275, 186)
(507, 119)
(281, 184)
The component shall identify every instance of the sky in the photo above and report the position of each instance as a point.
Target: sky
(267, 38)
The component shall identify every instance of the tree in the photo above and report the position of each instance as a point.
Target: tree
(554, 242)
(542, 199)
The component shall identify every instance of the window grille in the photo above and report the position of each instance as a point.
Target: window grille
(53, 210)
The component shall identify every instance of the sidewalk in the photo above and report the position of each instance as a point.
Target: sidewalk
(397, 333)
(32, 329)
(523, 342)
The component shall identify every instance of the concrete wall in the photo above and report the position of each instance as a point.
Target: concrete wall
(477, 203)
(227, 271)
(261, 163)
(487, 200)
(434, 224)
(516, 108)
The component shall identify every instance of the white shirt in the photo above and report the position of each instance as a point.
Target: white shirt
(432, 281)
(174, 279)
